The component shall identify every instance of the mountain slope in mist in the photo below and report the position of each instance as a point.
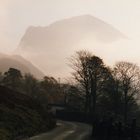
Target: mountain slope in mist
(68, 32)
(18, 62)
(56, 42)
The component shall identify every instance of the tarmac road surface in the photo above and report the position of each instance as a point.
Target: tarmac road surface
(66, 131)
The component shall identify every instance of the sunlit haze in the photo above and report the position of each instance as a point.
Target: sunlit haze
(124, 15)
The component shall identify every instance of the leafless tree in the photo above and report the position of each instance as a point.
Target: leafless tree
(90, 72)
(78, 63)
(129, 76)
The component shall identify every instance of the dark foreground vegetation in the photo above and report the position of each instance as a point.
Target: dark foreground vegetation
(21, 116)
(108, 129)
(111, 95)
(107, 98)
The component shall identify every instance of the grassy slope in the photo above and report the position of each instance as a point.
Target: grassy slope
(21, 115)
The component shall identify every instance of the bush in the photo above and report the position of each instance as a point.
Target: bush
(4, 134)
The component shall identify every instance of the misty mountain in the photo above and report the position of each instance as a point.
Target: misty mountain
(56, 42)
(68, 32)
(18, 62)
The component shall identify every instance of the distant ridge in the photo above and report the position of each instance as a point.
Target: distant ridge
(18, 62)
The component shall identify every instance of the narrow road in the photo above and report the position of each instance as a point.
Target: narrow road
(66, 131)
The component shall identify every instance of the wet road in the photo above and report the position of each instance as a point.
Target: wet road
(66, 131)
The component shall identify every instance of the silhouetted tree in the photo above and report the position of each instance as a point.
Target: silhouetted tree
(12, 78)
(1, 77)
(110, 99)
(128, 74)
(31, 85)
(78, 62)
(51, 88)
(98, 75)
(91, 73)
(73, 97)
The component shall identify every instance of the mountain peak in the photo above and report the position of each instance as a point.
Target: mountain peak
(65, 36)
(71, 30)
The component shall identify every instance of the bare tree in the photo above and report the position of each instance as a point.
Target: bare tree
(78, 62)
(90, 72)
(128, 74)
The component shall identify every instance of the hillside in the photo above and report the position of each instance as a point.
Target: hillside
(18, 62)
(21, 115)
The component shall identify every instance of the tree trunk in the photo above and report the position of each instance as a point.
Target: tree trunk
(93, 94)
(125, 107)
(87, 104)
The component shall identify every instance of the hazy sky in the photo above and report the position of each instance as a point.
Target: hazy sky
(17, 15)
